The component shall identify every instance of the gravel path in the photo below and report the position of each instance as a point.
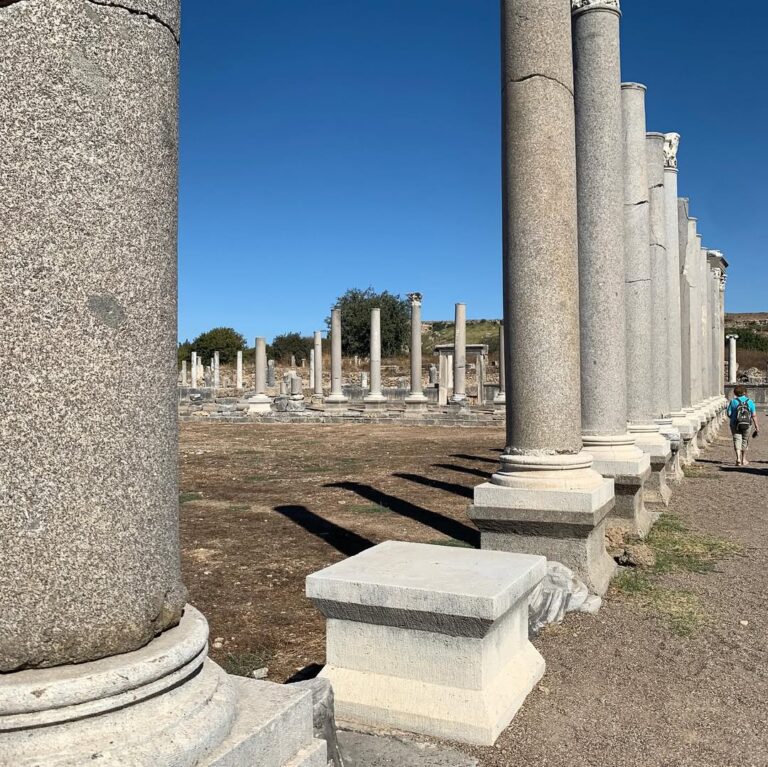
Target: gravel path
(622, 689)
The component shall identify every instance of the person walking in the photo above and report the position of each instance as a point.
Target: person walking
(743, 416)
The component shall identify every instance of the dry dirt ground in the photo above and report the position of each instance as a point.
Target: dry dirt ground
(673, 671)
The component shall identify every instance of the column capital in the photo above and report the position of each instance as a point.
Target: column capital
(415, 298)
(580, 6)
(671, 146)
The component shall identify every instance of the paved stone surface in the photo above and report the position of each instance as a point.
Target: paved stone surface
(361, 750)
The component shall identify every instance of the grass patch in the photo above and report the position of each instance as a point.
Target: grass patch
(368, 508)
(242, 664)
(451, 542)
(677, 549)
(188, 497)
(239, 509)
(697, 472)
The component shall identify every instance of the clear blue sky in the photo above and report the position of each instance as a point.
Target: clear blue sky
(330, 144)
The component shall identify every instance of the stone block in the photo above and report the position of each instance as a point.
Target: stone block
(430, 639)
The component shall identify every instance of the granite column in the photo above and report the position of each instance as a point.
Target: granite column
(336, 400)
(545, 498)
(600, 176)
(639, 299)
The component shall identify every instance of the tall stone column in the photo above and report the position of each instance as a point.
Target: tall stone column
(101, 659)
(375, 400)
(501, 396)
(239, 370)
(317, 381)
(216, 370)
(600, 176)
(259, 402)
(545, 497)
(336, 399)
(193, 369)
(681, 420)
(416, 402)
(733, 365)
(661, 307)
(639, 299)
(459, 396)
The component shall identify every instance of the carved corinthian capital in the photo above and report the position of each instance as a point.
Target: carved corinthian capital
(671, 145)
(415, 298)
(587, 5)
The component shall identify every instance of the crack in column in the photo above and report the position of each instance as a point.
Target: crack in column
(133, 11)
(544, 77)
(635, 204)
(632, 282)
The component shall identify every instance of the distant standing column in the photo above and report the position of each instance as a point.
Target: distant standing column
(600, 175)
(416, 402)
(545, 497)
(216, 371)
(501, 396)
(194, 370)
(239, 372)
(260, 402)
(336, 400)
(375, 400)
(637, 262)
(733, 368)
(183, 372)
(317, 381)
(459, 396)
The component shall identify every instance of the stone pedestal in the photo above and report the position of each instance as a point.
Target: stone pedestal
(336, 399)
(450, 628)
(545, 498)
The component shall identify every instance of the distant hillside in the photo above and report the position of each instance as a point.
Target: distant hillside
(478, 332)
(747, 319)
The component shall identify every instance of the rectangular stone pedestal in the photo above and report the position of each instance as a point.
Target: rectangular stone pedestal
(430, 639)
(566, 526)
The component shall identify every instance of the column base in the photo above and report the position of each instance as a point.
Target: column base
(375, 402)
(336, 402)
(416, 404)
(617, 457)
(650, 440)
(259, 403)
(160, 705)
(552, 505)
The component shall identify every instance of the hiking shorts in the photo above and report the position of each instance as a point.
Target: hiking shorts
(741, 438)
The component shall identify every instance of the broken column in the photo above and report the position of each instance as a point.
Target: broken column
(416, 401)
(733, 365)
(270, 373)
(102, 659)
(639, 305)
(336, 399)
(375, 399)
(600, 173)
(500, 400)
(459, 396)
(545, 498)
(183, 372)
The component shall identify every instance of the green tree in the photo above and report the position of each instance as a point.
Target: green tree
(749, 339)
(184, 351)
(356, 305)
(226, 341)
(287, 344)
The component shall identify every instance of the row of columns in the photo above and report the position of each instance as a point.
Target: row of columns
(593, 297)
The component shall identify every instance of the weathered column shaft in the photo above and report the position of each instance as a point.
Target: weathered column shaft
(417, 389)
(239, 370)
(637, 258)
(599, 158)
(686, 299)
(732, 357)
(705, 328)
(460, 355)
(194, 369)
(216, 371)
(337, 396)
(183, 372)
(318, 379)
(375, 391)
(89, 558)
(674, 323)
(660, 309)
(261, 365)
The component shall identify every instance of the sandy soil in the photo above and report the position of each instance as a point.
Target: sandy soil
(263, 506)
